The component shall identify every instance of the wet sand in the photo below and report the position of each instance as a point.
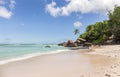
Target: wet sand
(65, 64)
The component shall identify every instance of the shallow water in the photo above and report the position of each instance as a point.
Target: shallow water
(9, 52)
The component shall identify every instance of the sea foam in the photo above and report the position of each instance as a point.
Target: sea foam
(28, 56)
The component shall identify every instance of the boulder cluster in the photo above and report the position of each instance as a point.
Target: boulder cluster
(78, 42)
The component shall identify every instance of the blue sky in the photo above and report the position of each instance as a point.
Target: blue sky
(44, 21)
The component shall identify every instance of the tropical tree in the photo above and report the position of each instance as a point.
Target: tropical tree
(114, 22)
(76, 32)
(96, 33)
(101, 31)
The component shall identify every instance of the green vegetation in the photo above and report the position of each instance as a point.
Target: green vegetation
(100, 32)
(76, 31)
(114, 22)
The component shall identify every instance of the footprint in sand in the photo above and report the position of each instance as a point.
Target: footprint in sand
(107, 75)
(115, 66)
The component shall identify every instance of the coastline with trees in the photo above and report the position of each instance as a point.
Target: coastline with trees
(100, 33)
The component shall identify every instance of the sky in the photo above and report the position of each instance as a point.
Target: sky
(49, 21)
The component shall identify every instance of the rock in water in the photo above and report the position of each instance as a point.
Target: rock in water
(47, 46)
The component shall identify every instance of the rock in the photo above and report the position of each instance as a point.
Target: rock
(71, 43)
(47, 46)
(87, 44)
(111, 37)
(109, 41)
(62, 44)
(77, 41)
(81, 39)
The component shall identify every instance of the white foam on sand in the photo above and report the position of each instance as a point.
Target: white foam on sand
(24, 57)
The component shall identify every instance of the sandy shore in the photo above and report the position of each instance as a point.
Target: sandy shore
(112, 68)
(103, 61)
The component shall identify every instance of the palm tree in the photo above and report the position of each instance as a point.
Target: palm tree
(76, 32)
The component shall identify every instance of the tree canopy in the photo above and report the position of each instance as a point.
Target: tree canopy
(100, 32)
(76, 31)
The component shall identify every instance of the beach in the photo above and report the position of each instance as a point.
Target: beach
(103, 61)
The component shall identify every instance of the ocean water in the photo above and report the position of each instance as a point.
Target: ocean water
(14, 52)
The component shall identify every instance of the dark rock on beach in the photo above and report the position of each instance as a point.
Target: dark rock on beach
(71, 43)
(62, 44)
(78, 42)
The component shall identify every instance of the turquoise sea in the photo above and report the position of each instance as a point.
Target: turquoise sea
(14, 52)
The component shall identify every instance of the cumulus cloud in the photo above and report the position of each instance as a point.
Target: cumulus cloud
(4, 11)
(77, 24)
(52, 9)
(82, 6)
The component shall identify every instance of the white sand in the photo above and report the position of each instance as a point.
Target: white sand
(113, 53)
(100, 62)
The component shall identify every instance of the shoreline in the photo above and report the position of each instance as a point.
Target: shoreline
(28, 56)
(101, 62)
(45, 62)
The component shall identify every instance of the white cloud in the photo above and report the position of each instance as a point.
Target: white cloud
(77, 24)
(12, 4)
(5, 13)
(82, 6)
(52, 10)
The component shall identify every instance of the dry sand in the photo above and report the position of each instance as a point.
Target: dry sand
(111, 52)
(103, 61)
